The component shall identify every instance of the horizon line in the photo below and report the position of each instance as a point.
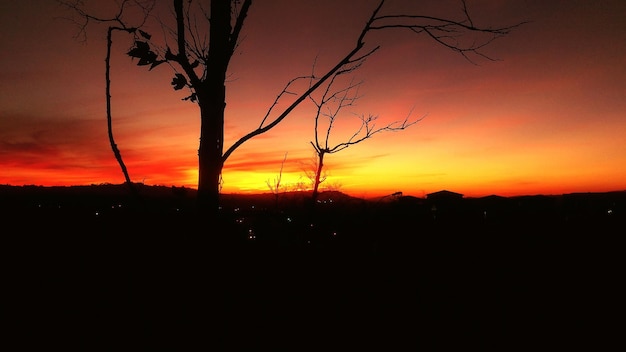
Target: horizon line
(249, 193)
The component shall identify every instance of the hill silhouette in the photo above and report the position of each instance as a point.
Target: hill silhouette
(90, 268)
(162, 197)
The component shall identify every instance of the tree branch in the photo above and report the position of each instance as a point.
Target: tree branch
(234, 37)
(346, 60)
(279, 96)
(76, 6)
(293, 105)
(439, 31)
(369, 126)
(181, 58)
(444, 31)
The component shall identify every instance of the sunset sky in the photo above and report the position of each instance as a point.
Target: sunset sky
(549, 117)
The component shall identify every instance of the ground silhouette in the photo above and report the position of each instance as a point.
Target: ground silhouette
(88, 269)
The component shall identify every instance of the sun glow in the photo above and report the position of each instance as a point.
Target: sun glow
(521, 125)
(259, 182)
(191, 178)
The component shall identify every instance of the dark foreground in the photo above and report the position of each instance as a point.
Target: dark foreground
(389, 277)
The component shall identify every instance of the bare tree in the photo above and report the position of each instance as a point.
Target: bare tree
(201, 63)
(329, 107)
(275, 186)
(309, 169)
(333, 186)
(117, 23)
(300, 185)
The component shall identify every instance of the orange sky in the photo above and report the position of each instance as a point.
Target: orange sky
(548, 118)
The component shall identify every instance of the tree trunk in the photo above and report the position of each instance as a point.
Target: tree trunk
(211, 95)
(318, 173)
(210, 161)
(116, 151)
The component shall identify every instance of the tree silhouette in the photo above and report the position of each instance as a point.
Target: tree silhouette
(330, 105)
(119, 25)
(107, 60)
(310, 169)
(276, 186)
(201, 66)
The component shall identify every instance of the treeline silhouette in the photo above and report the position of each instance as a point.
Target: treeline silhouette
(90, 269)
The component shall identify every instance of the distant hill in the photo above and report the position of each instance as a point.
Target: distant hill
(100, 196)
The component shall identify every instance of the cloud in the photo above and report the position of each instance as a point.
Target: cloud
(31, 143)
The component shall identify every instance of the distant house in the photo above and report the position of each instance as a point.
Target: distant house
(444, 195)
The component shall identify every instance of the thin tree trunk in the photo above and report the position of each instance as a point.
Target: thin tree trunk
(116, 151)
(318, 173)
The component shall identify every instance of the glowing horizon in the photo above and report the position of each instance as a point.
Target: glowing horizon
(548, 118)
